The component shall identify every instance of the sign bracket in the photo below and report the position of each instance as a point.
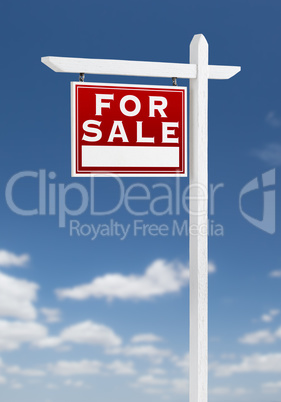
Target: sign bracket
(135, 68)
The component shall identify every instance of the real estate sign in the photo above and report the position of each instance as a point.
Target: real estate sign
(129, 130)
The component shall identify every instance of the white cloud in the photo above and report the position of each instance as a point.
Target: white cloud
(148, 351)
(91, 333)
(34, 381)
(160, 278)
(270, 315)
(25, 372)
(76, 384)
(7, 345)
(275, 274)
(271, 154)
(86, 332)
(69, 368)
(180, 385)
(256, 363)
(48, 342)
(278, 333)
(241, 391)
(263, 336)
(8, 259)
(17, 385)
(219, 391)
(266, 318)
(51, 386)
(146, 338)
(151, 380)
(121, 368)
(228, 356)
(157, 371)
(273, 119)
(212, 268)
(154, 391)
(167, 385)
(183, 363)
(254, 338)
(3, 380)
(87, 367)
(51, 314)
(17, 297)
(271, 387)
(63, 348)
(14, 333)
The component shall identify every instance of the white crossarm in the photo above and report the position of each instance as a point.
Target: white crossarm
(223, 72)
(134, 68)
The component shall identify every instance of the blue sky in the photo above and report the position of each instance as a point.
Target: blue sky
(107, 318)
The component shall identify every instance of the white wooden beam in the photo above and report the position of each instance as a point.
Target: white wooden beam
(198, 221)
(119, 67)
(222, 72)
(134, 68)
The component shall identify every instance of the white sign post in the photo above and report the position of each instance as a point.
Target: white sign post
(198, 71)
(198, 218)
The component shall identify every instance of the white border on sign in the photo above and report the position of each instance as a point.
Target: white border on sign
(109, 174)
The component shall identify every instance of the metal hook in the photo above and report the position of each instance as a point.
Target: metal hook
(174, 81)
(81, 77)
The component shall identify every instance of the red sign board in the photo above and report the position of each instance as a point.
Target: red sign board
(129, 130)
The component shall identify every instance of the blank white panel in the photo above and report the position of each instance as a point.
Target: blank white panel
(108, 156)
